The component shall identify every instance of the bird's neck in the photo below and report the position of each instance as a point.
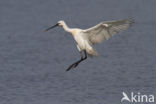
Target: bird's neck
(66, 28)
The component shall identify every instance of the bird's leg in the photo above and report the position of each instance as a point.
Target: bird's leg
(77, 62)
(82, 58)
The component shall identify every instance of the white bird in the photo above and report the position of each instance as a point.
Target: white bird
(85, 38)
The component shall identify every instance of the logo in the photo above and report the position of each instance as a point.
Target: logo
(137, 97)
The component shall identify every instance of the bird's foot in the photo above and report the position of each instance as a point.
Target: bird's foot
(73, 66)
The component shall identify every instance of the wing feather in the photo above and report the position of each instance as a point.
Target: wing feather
(104, 30)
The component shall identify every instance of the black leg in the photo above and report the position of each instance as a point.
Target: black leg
(77, 62)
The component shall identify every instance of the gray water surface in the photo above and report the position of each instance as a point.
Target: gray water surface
(33, 63)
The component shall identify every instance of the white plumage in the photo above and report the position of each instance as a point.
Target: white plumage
(94, 35)
(105, 30)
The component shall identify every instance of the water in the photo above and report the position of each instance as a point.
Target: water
(33, 63)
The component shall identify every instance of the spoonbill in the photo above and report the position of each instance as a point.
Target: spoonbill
(85, 38)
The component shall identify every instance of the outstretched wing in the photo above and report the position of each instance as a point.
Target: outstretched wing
(104, 30)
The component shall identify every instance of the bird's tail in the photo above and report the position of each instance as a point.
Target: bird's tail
(91, 52)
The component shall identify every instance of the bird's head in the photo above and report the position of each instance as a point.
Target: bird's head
(59, 23)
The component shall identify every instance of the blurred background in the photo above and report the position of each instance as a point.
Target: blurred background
(33, 63)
